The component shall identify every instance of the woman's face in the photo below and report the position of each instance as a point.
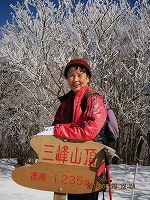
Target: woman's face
(77, 78)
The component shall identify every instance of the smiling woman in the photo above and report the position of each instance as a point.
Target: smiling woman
(77, 78)
(77, 73)
(70, 121)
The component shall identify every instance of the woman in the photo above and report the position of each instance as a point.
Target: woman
(69, 121)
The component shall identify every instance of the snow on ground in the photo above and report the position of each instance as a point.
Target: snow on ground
(120, 174)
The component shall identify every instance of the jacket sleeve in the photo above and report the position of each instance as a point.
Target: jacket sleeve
(93, 120)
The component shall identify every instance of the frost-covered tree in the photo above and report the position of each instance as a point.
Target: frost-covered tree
(43, 37)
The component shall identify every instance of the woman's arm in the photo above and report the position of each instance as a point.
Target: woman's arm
(94, 118)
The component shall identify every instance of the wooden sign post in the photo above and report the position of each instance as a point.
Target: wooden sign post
(64, 166)
(59, 196)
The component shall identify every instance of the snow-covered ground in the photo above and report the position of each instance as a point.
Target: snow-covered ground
(120, 175)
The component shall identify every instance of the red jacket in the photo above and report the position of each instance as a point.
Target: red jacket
(85, 126)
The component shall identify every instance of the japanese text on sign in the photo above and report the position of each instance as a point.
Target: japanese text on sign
(62, 154)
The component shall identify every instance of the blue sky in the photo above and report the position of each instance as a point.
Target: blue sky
(5, 9)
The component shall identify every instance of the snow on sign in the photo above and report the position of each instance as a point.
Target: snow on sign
(64, 166)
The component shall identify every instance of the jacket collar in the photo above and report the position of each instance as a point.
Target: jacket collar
(81, 91)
